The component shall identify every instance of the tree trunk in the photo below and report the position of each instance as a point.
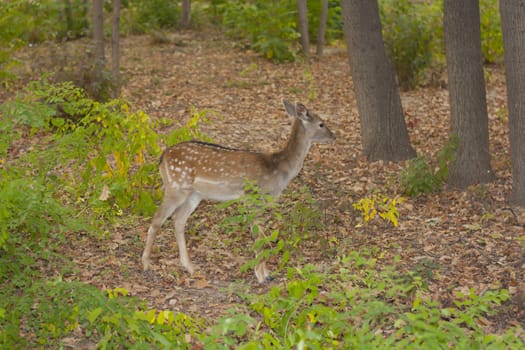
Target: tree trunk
(513, 27)
(98, 37)
(85, 19)
(115, 49)
(322, 27)
(468, 105)
(303, 27)
(383, 129)
(69, 18)
(185, 13)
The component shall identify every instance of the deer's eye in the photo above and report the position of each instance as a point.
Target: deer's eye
(321, 125)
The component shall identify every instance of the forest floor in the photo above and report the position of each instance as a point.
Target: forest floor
(461, 240)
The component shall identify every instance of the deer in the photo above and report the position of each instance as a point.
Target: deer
(194, 171)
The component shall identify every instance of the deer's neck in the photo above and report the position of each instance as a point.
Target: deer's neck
(290, 159)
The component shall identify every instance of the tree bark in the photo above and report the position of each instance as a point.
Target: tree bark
(115, 48)
(98, 38)
(468, 105)
(303, 27)
(513, 28)
(322, 27)
(383, 128)
(185, 13)
(69, 18)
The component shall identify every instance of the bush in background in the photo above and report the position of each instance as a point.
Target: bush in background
(145, 16)
(408, 33)
(491, 37)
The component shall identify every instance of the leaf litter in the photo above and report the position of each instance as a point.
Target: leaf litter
(472, 239)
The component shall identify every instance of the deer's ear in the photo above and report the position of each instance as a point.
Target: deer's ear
(301, 112)
(297, 111)
(290, 108)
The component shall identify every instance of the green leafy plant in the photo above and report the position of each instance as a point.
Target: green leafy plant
(334, 25)
(278, 230)
(491, 37)
(269, 27)
(419, 177)
(250, 216)
(51, 311)
(25, 21)
(301, 218)
(87, 162)
(109, 151)
(144, 16)
(356, 304)
(408, 34)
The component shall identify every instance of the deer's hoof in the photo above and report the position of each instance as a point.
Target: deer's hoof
(269, 279)
(265, 280)
(190, 269)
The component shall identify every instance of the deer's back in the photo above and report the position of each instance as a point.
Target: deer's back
(215, 171)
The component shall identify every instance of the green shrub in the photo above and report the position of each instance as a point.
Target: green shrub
(269, 27)
(420, 178)
(278, 228)
(87, 163)
(145, 16)
(408, 31)
(46, 313)
(491, 37)
(357, 305)
(25, 22)
(103, 153)
(37, 21)
(29, 209)
(334, 22)
(12, 23)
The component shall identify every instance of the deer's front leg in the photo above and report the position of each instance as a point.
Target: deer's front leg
(262, 273)
(165, 210)
(180, 217)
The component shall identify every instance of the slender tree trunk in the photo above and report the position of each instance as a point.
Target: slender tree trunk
(69, 17)
(98, 38)
(513, 26)
(468, 105)
(185, 13)
(383, 129)
(115, 48)
(303, 27)
(322, 27)
(85, 20)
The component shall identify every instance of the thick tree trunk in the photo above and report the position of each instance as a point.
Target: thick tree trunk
(468, 105)
(513, 26)
(303, 27)
(322, 27)
(115, 49)
(383, 128)
(185, 13)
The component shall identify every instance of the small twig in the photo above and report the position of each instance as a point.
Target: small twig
(514, 215)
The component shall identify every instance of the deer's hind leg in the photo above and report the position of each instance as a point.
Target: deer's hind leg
(169, 204)
(180, 216)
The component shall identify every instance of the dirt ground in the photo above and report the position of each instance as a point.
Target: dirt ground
(473, 239)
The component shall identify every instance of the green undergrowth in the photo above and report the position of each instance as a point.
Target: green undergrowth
(357, 304)
(68, 165)
(51, 314)
(422, 176)
(71, 165)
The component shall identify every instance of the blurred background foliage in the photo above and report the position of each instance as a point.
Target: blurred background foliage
(412, 30)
